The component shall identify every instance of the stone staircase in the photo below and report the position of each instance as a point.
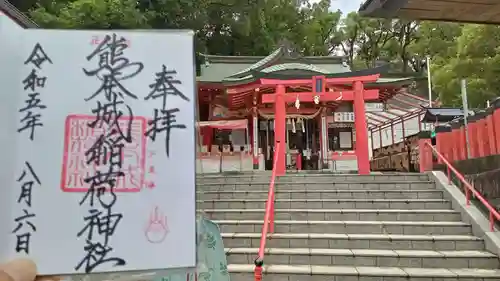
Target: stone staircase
(344, 227)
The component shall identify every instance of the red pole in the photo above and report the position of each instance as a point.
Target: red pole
(455, 140)
(440, 138)
(496, 122)
(424, 152)
(482, 145)
(279, 128)
(490, 124)
(361, 129)
(473, 136)
(462, 141)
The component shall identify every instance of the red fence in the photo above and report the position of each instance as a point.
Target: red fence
(483, 131)
(427, 151)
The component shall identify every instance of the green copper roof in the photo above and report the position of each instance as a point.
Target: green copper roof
(295, 66)
(237, 70)
(262, 63)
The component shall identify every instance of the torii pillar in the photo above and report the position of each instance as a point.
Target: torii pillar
(361, 129)
(280, 129)
(357, 95)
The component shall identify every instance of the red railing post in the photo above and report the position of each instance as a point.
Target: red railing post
(271, 215)
(468, 188)
(268, 224)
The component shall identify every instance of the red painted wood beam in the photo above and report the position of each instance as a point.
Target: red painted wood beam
(293, 110)
(323, 97)
(329, 81)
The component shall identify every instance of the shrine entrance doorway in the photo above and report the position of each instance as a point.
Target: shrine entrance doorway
(280, 98)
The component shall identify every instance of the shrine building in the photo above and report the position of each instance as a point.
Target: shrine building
(314, 111)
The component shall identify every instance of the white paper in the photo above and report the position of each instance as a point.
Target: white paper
(156, 197)
(345, 139)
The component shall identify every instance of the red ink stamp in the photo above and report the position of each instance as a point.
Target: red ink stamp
(79, 137)
(157, 229)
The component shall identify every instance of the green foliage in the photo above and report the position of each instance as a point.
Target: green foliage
(256, 27)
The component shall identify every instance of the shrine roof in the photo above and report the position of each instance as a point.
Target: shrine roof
(233, 70)
(472, 11)
(16, 15)
(238, 70)
(442, 114)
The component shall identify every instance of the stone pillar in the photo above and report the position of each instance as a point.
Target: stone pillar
(361, 129)
(279, 128)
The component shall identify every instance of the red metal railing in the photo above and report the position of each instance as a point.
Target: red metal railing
(268, 225)
(468, 188)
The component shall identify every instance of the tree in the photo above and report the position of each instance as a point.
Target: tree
(91, 14)
(347, 36)
(472, 56)
(257, 27)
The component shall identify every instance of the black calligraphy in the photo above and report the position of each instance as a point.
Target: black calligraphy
(25, 223)
(102, 221)
(33, 83)
(164, 118)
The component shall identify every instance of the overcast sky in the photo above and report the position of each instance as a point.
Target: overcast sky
(345, 6)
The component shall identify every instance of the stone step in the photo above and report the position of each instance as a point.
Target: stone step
(356, 241)
(245, 272)
(348, 227)
(323, 194)
(409, 204)
(336, 214)
(320, 178)
(366, 257)
(241, 186)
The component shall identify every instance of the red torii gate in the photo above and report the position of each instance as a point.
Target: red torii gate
(319, 84)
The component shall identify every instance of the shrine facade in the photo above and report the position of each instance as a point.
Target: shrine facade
(314, 107)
